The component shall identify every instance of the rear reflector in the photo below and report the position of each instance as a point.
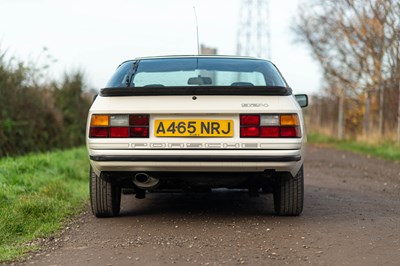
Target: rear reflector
(269, 132)
(98, 132)
(119, 132)
(290, 132)
(139, 132)
(250, 132)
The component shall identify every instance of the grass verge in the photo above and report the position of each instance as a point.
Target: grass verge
(385, 150)
(37, 193)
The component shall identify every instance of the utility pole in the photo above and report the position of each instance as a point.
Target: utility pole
(253, 34)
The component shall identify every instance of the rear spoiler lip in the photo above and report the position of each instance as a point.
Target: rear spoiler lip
(198, 90)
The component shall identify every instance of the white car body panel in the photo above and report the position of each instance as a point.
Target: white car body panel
(185, 107)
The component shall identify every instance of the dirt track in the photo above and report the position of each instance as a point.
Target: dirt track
(351, 217)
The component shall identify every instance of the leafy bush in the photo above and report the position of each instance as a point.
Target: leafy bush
(37, 115)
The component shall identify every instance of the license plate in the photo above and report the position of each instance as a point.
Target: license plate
(193, 128)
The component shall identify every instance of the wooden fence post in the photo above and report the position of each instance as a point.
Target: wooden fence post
(341, 121)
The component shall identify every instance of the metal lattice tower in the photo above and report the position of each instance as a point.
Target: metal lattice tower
(253, 35)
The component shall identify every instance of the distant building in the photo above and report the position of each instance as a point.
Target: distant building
(205, 50)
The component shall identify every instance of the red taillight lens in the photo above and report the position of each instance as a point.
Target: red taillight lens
(269, 132)
(139, 132)
(119, 132)
(98, 132)
(140, 125)
(290, 132)
(249, 132)
(249, 120)
(139, 120)
(270, 126)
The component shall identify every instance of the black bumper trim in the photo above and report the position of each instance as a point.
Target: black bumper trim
(151, 158)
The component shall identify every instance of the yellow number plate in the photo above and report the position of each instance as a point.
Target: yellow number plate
(193, 128)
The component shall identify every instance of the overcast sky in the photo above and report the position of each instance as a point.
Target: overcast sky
(96, 36)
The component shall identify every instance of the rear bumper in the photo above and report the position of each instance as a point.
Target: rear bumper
(197, 161)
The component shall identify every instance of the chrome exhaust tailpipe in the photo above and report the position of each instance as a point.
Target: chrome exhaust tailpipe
(144, 181)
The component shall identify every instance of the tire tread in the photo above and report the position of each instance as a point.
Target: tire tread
(289, 194)
(105, 197)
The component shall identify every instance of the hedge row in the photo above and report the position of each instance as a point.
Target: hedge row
(38, 115)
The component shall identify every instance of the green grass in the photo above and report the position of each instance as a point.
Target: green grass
(37, 193)
(385, 150)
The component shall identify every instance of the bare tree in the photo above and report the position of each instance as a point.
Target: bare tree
(356, 42)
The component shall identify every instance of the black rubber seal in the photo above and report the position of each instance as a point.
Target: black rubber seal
(197, 90)
(161, 158)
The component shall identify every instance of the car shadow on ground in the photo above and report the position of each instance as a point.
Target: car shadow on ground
(221, 202)
(320, 204)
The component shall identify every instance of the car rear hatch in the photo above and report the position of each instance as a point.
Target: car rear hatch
(192, 122)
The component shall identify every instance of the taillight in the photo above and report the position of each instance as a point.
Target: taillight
(290, 132)
(139, 132)
(249, 120)
(100, 121)
(119, 126)
(270, 126)
(250, 132)
(139, 124)
(99, 132)
(119, 132)
(289, 120)
(139, 120)
(269, 132)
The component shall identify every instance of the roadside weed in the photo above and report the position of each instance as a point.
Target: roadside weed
(384, 150)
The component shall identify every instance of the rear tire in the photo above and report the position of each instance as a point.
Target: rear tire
(105, 197)
(289, 194)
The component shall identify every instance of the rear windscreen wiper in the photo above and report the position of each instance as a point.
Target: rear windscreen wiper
(131, 74)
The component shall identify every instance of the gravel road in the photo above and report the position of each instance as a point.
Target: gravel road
(351, 217)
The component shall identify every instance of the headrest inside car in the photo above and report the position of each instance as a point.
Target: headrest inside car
(242, 84)
(199, 81)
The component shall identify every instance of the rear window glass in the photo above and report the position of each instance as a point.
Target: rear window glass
(171, 72)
